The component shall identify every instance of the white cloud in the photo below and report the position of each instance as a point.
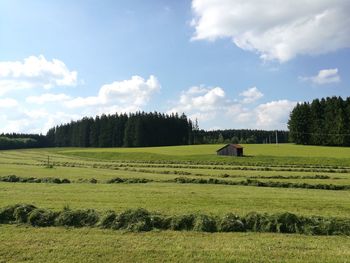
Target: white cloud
(267, 116)
(126, 95)
(240, 115)
(8, 103)
(251, 95)
(47, 97)
(56, 118)
(274, 114)
(34, 121)
(212, 107)
(35, 72)
(201, 103)
(325, 76)
(277, 30)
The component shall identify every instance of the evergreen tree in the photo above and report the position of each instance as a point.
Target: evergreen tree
(323, 122)
(95, 132)
(299, 124)
(317, 123)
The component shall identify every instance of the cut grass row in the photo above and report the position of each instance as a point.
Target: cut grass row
(170, 198)
(107, 171)
(181, 180)
(121, 165)
(141, 220)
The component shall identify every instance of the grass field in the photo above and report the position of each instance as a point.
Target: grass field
(21, 244)
(267, 163)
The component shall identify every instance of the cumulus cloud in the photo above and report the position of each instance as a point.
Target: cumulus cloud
(271, 115)
(274, 114)
(200, 102)
(240, 115)
(214, 108)
(123, 96)
(47, 98)
(126, 95)
(35, 72)
(324, 76)
(277, 30)
(251, 95)
(23, 120)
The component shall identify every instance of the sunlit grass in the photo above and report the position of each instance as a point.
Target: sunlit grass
(19, 244)
(162, 164)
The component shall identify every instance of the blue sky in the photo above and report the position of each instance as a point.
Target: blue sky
(228, 63)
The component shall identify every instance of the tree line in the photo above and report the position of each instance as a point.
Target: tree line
(20, 141)
(121, 130)
(240, 136)
(138, 129)
(324, 121)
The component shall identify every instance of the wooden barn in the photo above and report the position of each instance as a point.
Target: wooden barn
(231, 150)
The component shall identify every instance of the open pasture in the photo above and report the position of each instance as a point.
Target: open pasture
(162, 166)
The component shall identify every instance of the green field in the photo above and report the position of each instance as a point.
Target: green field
(294, 164)
(21, 244)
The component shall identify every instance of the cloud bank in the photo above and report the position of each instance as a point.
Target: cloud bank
(212, 105)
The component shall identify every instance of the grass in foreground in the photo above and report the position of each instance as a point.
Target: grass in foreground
(19, 244)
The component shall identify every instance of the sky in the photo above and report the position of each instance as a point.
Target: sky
(230, 64)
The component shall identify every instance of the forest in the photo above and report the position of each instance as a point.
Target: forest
(134, 130)
(138, 129)
(324, 121)
(240, 136)
(20, 141)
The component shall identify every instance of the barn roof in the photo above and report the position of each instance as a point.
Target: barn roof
(237, 146)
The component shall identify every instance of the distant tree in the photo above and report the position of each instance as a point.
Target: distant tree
(95, 133)
(299, 124)
(323, 122)
(317, 122)
(234, 139)
(220, 138)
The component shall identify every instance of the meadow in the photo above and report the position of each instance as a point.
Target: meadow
(91, 170)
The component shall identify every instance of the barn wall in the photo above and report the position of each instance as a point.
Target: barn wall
(230, 151)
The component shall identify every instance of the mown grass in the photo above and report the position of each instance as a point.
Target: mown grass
(171, 198)
(285, 150)
(19, 244)
(22, 164)
(74, 173)
(142, 220)
(255, 153)
(262, 162)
